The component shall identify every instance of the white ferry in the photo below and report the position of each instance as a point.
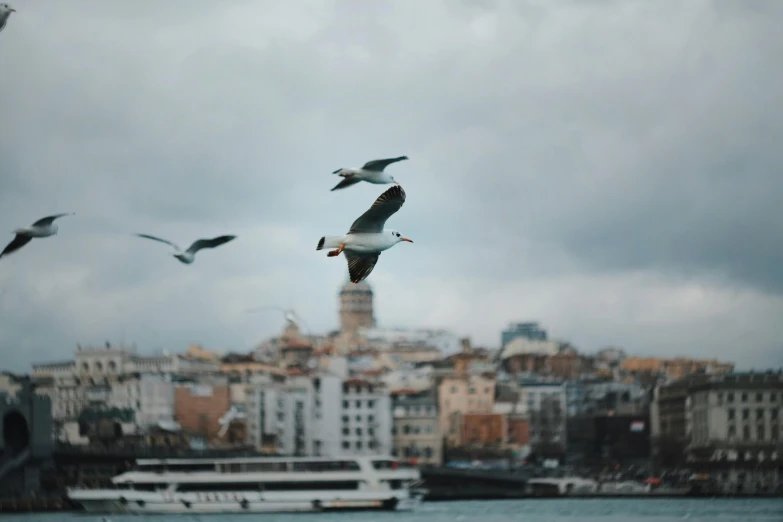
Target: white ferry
(255, 485)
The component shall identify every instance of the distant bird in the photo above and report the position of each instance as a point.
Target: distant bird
(189, 255)
(44, 227)
(371, 172)
(367, 238)
(5, 12)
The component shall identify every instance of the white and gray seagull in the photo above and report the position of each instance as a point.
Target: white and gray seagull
(372, 172)
(189, 255)
(367, 238)
(5, 12)
(44, 227)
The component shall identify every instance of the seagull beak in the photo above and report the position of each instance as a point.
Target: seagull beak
(12, 10)
(406, 239)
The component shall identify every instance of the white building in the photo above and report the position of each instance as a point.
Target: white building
(445, 342)
(320, 415)
(110, 377)
(417, 379)
(545, 406)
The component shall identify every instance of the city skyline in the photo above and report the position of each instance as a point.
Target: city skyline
(610, 172)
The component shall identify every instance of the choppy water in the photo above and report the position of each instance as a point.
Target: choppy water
(549, 510)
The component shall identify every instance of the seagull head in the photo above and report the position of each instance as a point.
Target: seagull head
(399, 237)
(5, 9)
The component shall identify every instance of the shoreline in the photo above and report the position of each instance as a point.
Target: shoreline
(62, 504)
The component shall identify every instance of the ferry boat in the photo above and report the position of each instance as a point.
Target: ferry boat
(256, 485)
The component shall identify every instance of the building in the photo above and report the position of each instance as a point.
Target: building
(674, 369)
(530, 330)
(199, 406)
(108, 376)
(356, 307)
(727, 424)
(321, 415)
(416, 427)
(545, 406)
(460, 395)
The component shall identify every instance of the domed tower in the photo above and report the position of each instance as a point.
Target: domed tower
(356, 307)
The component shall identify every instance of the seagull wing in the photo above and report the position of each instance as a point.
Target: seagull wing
(145, 236)
(346, 182)
(2, 23)
(209, 243)
(360, 265)
(380, 164)
(45, 222)
(18, 242)
(375, 218)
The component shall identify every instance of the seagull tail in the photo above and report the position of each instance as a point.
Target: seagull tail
(329, 242)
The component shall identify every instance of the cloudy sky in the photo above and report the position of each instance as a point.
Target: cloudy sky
(612, 169)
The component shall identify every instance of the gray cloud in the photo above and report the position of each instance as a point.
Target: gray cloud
(610, 168)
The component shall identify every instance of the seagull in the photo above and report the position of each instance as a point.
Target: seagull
(367, 238)
(44, 227)
(5, 12)
(372, 172)
(189, 255)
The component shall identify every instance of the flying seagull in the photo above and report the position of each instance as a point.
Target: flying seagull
(189, 255)
(5, 12)
(372, 172)
(367, 238)
(44, 227)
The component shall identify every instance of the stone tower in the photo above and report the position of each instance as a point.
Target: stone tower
(356, 307)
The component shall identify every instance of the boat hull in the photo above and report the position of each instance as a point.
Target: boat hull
(116, 501)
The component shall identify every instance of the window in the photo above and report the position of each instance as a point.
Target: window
(394, 430)
(732, 432)
(745, 414)
(773, 397)
(471, 390)
(346, 419)
(744, 397)
(370, 418)
(730, 398)
(346, 431)
(760, 414)
(760, 432)
(345, 405)
(428, 429)
(370, 404)
(731, 413)
(406, 429)
(358, 404)
(370, 431)
(427, 452)
(453, 389)
(774, 432)
(359, 432)
(346, 444)
(358, 418)
(759, 397)
(358, 444)
(773, 414)
(486, 390)
(746, 433)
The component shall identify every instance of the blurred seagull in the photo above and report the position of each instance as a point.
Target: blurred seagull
(44, 227)
(5, 12)
(372, 172)
(189, 255)
(367, 238)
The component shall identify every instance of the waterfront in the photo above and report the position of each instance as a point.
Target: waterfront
(540, 510)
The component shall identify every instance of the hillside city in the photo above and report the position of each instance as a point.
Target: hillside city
(426, 397)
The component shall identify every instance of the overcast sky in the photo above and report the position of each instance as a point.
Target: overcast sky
(612, 169)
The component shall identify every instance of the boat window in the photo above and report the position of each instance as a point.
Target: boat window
(219, 486)
(149, 487)
(385, 464)
(311, 486)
